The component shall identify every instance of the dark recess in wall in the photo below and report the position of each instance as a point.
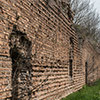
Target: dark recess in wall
(20, 53)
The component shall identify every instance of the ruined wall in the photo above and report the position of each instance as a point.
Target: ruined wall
(39, 54)
(91, 62)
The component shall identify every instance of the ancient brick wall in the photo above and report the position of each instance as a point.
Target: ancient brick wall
(91, 62)
(39, 54)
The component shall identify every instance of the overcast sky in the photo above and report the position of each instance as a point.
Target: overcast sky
(96, 5)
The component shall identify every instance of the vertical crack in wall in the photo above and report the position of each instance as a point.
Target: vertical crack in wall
(20, 52)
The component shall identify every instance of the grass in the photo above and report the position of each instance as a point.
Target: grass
(86, 93)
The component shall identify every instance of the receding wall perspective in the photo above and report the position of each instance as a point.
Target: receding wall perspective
(91, 63)
(40, 58)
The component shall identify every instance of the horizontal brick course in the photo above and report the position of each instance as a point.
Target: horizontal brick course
(49, 31)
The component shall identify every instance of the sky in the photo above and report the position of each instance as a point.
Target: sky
(96, 5)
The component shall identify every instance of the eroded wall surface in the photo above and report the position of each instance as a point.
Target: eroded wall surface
(40, 57)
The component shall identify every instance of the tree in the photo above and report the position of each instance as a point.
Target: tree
(86, 19)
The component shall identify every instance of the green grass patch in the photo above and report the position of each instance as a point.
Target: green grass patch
(86, 93)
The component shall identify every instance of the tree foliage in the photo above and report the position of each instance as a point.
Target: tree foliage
(86, 20)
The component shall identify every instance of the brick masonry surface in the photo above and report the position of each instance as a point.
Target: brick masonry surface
(91, 62)
(40, 58)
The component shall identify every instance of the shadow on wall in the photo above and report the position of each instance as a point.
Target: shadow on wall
(20, 53)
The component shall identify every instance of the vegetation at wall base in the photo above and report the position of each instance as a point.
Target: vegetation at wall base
(86, 93)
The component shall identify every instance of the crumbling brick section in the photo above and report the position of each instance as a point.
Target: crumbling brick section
(40, 57)
(20, 53)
